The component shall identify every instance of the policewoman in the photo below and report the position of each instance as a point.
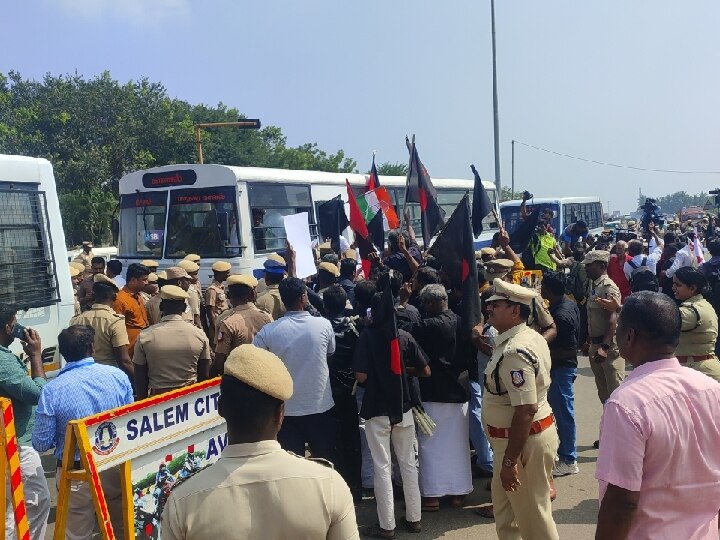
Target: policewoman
(699, 323)
(518, 420)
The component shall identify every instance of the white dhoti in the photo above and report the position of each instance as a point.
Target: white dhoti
(445, 455)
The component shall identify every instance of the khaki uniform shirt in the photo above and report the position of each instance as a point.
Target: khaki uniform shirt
(270, 302)
(171, 350)
(699, 328)
(84, 293)
(110, 332)
(152, 307)
(194, 301)
(215, 299)
(539, 315)
(257, 491)
(84, 259)
(597, 317)
(518, 374)
(239, 327)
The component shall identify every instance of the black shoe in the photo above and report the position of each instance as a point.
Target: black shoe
(596, 445)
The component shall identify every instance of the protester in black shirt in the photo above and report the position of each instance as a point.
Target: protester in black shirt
(444, 456)
(386, 408)
(348, 269)
(408, 317)
(342, 382)
(404, 256)
(563, 352)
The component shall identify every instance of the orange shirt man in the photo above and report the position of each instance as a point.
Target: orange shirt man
(130, 303)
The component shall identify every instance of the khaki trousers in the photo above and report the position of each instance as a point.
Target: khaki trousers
(526, 513)
(710, 367)
(609, 373)
(81, 519)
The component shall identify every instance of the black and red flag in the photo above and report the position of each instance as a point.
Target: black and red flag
(421, 190)
(384, 318)
(332, 221)
(455, 248)
(373, 180)
(481, 206)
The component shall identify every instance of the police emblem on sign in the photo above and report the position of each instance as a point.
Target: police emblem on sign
(518, 378)
(106, 439)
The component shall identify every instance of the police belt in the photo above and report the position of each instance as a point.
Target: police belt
(538, 426)
(686, 359)
(157, 391)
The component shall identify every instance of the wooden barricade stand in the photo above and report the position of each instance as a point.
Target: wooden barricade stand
(10, 465)
(193, 411)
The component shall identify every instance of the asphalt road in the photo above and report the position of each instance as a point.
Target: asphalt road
(575, 509)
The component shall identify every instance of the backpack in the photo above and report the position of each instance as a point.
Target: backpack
(577, 282)
(642, 278)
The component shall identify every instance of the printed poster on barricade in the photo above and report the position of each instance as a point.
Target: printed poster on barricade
(168, 438)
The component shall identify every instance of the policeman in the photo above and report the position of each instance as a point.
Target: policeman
(601, 346)
(75, 279)
(696, 348)
(173, 276)
(172, 353)
(151, 265)
(518, 420)
(195, 300)
(85, 256)
(282, 495)
(84, 290)
(498, 269)
(269, 301)
(111, 338)
(215, 298)
(239, 324)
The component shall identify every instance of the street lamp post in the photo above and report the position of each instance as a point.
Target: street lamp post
(495, 103)
(243, 123)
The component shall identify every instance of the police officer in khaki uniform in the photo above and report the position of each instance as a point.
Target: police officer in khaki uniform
(75, 279)
(173, 276)
(111, 338)
(172, 353)
(151, 265)
(696, 348)
(215, 299)
(152, 288)
(605, 361)
(518, 420)
(85, 256)
(281, 496)
(269, 301)
(238, 325)
(195, 300)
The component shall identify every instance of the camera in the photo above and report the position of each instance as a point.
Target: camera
(651, 214)
(527, 195)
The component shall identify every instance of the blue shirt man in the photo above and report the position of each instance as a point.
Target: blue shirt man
(82, 388)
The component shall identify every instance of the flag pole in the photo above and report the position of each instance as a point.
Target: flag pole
(411, 149)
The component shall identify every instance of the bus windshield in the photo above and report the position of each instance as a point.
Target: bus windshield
(142, 222)
(202, 221)
(511, 215)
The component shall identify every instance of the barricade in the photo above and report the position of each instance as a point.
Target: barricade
(10, 465)
(154, 442)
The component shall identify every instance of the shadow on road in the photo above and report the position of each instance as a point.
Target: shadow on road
(584, 512)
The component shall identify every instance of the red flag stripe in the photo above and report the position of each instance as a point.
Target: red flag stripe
(395, 365)
(357, 221)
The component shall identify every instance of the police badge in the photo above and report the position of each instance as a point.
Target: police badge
(518, 378)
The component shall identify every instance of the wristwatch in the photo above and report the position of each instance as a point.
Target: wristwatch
(507, 462)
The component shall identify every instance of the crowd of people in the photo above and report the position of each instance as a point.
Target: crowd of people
(309, 367)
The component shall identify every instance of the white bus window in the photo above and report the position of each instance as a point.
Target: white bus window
(27, 266)
(268, 204)
(142, 222)
(512, 217)
(202, 221)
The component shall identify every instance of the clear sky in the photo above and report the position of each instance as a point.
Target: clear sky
(634, 83)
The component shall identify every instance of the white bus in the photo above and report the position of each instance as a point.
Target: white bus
(235, 213)
(34, 274)
(566, 210)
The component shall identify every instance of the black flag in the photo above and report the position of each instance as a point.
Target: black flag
(523, 233)
(421, 190)
(481, 206)
(455, 248)
(332, 221)
(377, 231)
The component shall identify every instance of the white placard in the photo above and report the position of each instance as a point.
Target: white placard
(297, 230)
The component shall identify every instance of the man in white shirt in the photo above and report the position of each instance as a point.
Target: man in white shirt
(303, 343)
(684, 257)
(635, 250)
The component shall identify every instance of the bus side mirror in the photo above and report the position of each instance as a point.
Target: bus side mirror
(115, 229)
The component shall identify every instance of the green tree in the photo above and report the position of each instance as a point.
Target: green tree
(674, 202)
(506, 194)
(94, 131)
(392, 169)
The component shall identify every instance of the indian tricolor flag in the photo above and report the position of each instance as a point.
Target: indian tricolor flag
(378, 200)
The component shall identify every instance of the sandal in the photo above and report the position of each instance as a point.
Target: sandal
(457, 501)
(430, 505)
(485, 511)
(375, 531)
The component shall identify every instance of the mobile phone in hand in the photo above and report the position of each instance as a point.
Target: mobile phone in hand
(18, 332)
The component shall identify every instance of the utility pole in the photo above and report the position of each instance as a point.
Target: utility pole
(495, 104)
(512, 170)
(243, 123)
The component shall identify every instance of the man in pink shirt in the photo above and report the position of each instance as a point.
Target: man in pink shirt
(659, 465)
